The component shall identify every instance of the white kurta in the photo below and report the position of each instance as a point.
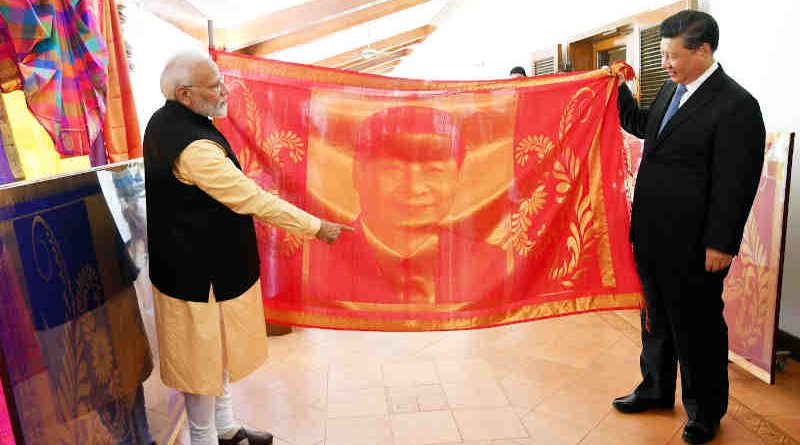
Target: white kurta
(197, 341)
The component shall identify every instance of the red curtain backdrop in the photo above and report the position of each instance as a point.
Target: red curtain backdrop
(474, 204)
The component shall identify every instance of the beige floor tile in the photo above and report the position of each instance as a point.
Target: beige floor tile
(453, 371)
(526, 393)
(357, 403)
(273, 405)
(553, 430)
(632, 316)
(454, 345)
(412, 399)
(403, 399)
(161, 427)
(489, 423)
(355, 375)
(768, 400)
(730, 433)
(474, 394)
(305, 428)
(788, 424)
(359, 431)
(554, 377)
(578, 345)
(409, 373)
(424, 428)
(157, 396)
(579, 401)
(526, 441)
(645, 429)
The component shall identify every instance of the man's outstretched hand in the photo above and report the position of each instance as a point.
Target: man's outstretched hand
(620, 74)
(330, 231)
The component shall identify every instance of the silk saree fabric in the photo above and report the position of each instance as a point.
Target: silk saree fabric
(71, 337)
(6, 435)
(473, 204)
(61, 60)
(752, 287)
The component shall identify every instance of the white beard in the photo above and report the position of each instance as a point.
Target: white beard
(210, 110)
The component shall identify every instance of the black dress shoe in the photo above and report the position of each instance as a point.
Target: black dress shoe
(696, 432)
(253, 438)
(633, 403)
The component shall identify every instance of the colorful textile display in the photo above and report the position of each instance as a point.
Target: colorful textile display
(71, 336)
(121, 132)
(61, 58)
(752, 287)
(474, 204)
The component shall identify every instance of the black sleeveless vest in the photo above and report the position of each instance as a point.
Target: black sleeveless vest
(194, 241)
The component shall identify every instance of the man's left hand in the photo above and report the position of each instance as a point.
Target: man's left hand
(716, 260)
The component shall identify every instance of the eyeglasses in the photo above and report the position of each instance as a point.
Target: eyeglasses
(217, 87)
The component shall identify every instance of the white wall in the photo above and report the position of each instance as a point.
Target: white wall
(152, 42)
(484, 39)
(758, 48)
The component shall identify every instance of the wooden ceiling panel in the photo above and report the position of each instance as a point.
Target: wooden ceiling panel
(287, 20)
(327, 27)
(391, 44)
(181, 14)
(383, 69)
(381, 59)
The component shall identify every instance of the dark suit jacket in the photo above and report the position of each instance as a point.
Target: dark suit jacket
(698, 178)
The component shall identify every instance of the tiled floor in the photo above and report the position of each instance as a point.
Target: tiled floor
(548, 382)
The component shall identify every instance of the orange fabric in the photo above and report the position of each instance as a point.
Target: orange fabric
(121, 126)
(474, 204)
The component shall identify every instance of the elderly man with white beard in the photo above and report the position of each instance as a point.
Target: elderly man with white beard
(204, 263)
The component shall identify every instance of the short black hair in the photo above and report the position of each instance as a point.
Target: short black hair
(696, 27)
(518, 70)
(386, 134)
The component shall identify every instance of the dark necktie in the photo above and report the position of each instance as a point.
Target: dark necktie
(673, 106)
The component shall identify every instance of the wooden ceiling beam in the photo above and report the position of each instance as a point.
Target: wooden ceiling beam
(360, 59)
(287, 20)
(327, 27)
(378, 61)
(383, 70)
(181, 14)
(357, 56)
(392, 43)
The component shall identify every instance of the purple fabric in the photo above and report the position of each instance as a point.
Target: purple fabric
(5, 170)
(97, 155)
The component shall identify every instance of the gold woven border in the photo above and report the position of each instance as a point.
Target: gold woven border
(274, 68)
(526, 313)
(598, 202)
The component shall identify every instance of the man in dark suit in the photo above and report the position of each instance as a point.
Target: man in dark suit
(703, 152)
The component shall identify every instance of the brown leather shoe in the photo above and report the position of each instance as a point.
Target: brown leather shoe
(632, 403)
(253, 437)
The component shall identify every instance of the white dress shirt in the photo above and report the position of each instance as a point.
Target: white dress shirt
(694, 85)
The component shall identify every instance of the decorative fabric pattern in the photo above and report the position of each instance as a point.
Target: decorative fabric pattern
(474, 204)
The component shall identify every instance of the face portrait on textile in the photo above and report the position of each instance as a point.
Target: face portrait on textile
(405, 253)
(406, 168)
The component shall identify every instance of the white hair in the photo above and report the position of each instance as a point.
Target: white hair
(178, 71)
